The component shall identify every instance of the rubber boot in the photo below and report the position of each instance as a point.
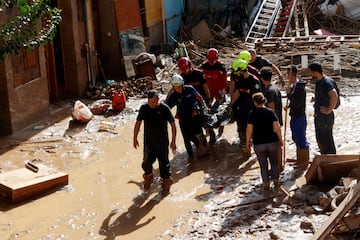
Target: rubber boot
(166, 184)
(303, 156)
(245, 153)
(212, 135)
(298, 155)
(266, 186)
(221, 131)
(200, 148)
(148, 180)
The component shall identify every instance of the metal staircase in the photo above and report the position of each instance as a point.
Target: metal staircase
(264, 21)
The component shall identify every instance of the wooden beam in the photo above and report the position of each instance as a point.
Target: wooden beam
(323, 166)
(350, 199)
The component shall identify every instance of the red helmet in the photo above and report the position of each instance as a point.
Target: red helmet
(212, 54)
(184, 64)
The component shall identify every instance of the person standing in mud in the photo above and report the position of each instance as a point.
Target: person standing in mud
(189, 104)
(156, 115)
(326, 99)
(215, 74)
(271, 92)
(244, 85)
(264, 130)
(296, 94)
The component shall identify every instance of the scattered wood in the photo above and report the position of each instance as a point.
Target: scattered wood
(22, 184)
(330, 168)
(351, 198)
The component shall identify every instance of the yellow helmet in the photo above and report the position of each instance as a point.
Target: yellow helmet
(245, 55)
(240, 65)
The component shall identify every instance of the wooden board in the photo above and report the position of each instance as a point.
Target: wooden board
(22, 184)
(339, 213)
(330, 167)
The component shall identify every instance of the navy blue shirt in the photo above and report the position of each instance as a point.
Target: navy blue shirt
(186, 102)
(322, 89)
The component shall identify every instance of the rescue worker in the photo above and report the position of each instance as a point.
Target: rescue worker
(188, 104)
(245, 55)
(195, 77)
(215, 74)
(244, 85)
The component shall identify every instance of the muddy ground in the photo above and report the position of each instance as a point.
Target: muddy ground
(215, 197)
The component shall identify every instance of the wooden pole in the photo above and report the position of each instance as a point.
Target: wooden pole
(286, 115)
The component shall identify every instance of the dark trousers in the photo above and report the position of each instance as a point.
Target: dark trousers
(265, 153)
(190, 128)
(298, 130)
(241, 122)
(324, 133)
(150, 155)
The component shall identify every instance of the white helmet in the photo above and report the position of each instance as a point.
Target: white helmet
(177, 80)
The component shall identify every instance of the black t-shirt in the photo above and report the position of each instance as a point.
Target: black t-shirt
(185, 103)
(155, 124)
(297, 98)
(197, 80)
(260, 62)
(247, 87)
(263, 130)
(273, 94)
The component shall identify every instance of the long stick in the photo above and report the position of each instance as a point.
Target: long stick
(286, 116)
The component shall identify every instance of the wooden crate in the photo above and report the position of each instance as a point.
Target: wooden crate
(22, 184)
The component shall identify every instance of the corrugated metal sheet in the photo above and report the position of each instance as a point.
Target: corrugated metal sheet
(173, 10)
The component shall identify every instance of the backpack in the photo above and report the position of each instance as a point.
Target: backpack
(338, 93)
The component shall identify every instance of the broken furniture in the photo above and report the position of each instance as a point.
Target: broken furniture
(330, 168)
(336, 221)
(25, 183)
(144, 66)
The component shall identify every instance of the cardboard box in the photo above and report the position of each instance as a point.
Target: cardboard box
(22, 184)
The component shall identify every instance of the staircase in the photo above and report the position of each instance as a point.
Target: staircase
(300, 20)
(263, 22)
(283, 22)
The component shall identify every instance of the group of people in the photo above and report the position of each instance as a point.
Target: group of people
(256, 103)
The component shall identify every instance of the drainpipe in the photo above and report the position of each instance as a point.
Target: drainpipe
(90, 41)
(163, 21)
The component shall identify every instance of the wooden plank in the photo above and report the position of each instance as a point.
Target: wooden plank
(306, 25)
(350, 199)
(22, 184)
(329, 166)
(348, 223)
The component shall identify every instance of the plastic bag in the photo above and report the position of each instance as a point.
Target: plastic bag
(81, 113)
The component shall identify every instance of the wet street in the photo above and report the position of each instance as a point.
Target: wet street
(215, 197)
